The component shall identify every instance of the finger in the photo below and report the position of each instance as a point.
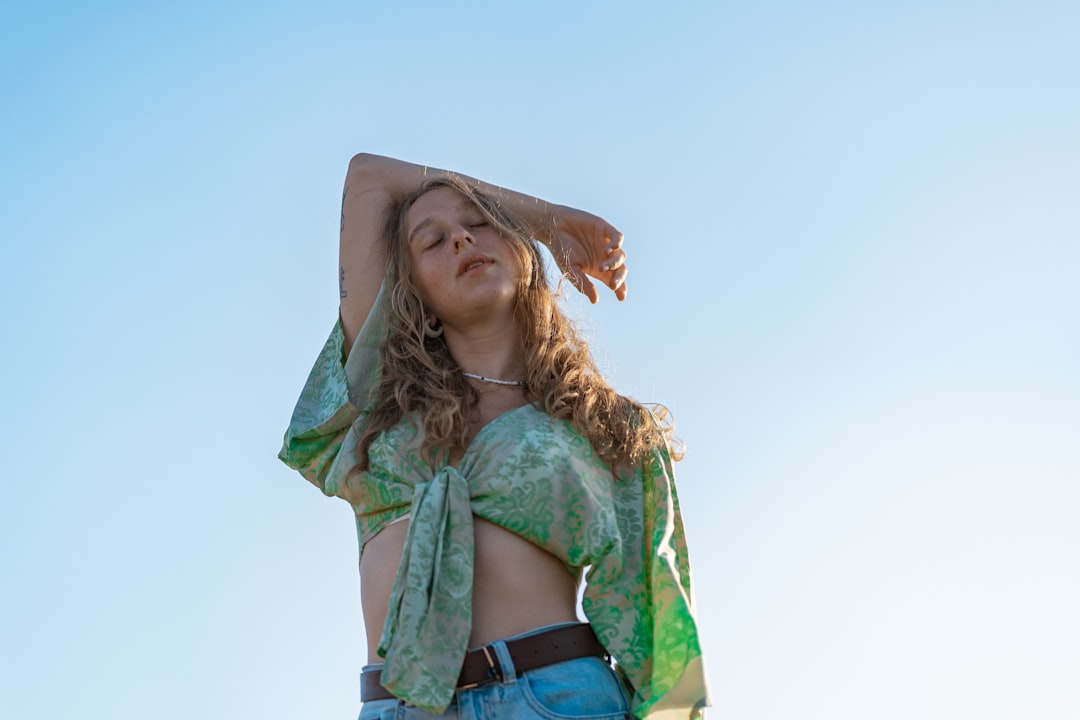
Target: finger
(615, 241)
(618, 282)
(584, 285)
(616, 260)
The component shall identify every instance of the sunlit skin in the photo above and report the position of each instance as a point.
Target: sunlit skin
(467, 277)
(466, 273)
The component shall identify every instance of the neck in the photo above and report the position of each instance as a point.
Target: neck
(493, 351)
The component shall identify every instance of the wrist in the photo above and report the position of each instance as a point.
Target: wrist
(547, 223)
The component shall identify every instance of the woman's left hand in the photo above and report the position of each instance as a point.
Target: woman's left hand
(585, 245)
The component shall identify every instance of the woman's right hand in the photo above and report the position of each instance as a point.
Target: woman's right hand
(585, 245)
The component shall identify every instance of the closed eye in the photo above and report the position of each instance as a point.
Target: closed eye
(438, 239)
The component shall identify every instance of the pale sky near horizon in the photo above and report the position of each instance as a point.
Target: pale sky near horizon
(853, 243)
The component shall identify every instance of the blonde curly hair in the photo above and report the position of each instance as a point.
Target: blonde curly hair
(420, 376)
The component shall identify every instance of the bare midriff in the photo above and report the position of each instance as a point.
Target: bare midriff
(517, 586)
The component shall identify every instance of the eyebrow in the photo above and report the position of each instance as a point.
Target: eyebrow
(463, 205)
(418, 229)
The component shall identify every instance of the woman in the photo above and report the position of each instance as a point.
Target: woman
(488, 464)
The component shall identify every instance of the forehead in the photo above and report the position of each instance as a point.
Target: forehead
(437, 204)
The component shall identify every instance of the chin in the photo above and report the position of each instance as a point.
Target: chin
(496, 301)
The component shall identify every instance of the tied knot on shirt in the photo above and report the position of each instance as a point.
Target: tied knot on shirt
(428, 623)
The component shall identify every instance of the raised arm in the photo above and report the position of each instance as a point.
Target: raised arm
(584, 245)
(372, 185)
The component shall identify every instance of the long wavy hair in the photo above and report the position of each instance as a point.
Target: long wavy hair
(420, 376)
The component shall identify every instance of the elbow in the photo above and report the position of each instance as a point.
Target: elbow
(363, 165)
(360, 161)
(360, 166)
(368, 172)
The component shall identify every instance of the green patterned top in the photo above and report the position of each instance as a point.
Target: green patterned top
(531, 474)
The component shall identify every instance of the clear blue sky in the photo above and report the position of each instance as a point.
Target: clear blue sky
(854, 237)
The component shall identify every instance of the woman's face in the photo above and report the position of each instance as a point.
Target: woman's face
(465, 271)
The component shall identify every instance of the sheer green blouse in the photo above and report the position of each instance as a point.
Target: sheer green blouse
(531, 474)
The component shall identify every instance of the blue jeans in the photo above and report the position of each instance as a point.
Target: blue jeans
(582, 689)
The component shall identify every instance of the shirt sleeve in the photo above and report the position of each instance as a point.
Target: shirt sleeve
(640, 601)
(320, 441)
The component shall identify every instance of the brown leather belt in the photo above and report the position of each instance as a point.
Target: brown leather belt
(528, 653)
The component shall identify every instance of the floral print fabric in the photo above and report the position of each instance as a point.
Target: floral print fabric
(531, 474)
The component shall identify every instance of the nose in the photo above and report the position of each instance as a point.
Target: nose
(462, 238)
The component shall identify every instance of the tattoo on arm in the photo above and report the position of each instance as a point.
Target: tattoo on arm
(341, 277)
(343, 194)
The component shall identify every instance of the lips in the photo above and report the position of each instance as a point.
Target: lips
(472, 262)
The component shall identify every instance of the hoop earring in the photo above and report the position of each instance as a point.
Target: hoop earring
(431, 331)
